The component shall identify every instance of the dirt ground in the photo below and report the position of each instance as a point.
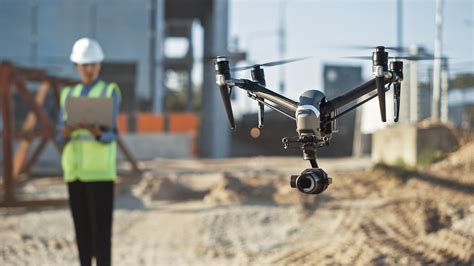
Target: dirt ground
(243, 211)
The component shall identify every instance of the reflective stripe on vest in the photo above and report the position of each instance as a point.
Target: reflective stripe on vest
(84, 158)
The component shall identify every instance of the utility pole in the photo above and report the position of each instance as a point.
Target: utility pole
(282, 43)
(405, 95)
(400, 24)
(437, 60)
(444, 90)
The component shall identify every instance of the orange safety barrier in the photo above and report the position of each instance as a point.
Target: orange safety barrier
(149, 123)
(122, 123)
(183, 123)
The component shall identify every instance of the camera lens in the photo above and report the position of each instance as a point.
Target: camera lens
(306, 183)
(311, 181)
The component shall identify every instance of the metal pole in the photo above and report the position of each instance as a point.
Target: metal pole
(7, 119)
(282, 43)
(400, 24)
(437, 60)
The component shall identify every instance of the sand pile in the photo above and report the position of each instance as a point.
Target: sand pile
(382, 216)
(231, 189)
(166, 188)
(463, 157)
(224, 188)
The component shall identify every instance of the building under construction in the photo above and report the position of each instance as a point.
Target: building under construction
(134, 35)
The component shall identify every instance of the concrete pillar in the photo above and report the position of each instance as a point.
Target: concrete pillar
(214, 133)
(357, 148)
(444, 92)
(414, 92)
(190, 87)
(405, 95)
(190, 91)
(159, 35)
(437, 61)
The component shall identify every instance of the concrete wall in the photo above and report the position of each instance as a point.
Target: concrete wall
(150, 146)
(44, 32)
(395, 144)
(412, 144)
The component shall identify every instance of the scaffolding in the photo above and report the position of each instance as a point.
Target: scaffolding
(18, 163)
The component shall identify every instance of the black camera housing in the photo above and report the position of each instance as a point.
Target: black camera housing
(311, 181)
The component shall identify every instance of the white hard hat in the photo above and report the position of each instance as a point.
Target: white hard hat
(86, 51)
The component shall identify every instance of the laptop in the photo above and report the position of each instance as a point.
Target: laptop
(93, 111)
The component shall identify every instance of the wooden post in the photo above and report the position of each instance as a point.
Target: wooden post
(7, 119)
(29, 124)
(15, 78)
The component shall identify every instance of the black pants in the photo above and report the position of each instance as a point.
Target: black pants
(91, 207)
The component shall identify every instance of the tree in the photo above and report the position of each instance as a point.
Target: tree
(462, 81)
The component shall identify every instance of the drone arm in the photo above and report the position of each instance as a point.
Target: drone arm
(369, 86)
(265, 93)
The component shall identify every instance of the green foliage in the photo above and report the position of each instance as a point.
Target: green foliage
(464, 80)
(427, 157)
(402, 164)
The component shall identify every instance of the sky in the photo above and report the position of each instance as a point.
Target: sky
(323, 28)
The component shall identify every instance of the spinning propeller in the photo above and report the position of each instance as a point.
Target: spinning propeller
(409, 58)
(270, 64)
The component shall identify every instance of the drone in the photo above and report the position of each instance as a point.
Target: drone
(314, 114)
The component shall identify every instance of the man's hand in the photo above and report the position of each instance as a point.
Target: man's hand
(67, 131)
(93, 129)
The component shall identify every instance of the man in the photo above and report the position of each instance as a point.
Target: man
(89, 158)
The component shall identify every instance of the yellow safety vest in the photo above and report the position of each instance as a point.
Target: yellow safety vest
(84, 158)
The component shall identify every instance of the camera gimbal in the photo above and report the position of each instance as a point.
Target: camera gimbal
(315, 116)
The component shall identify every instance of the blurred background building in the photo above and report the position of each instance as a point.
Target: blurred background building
(161, 54)
(149, 53)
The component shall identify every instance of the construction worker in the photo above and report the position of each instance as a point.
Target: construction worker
(89, 158)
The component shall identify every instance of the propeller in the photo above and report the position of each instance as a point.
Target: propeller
(366, 47)
(234, 57)
(270, 64)
(409, 58)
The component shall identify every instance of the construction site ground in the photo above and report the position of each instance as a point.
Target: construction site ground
(243, 211)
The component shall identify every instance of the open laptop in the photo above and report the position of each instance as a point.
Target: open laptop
(93, 111)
